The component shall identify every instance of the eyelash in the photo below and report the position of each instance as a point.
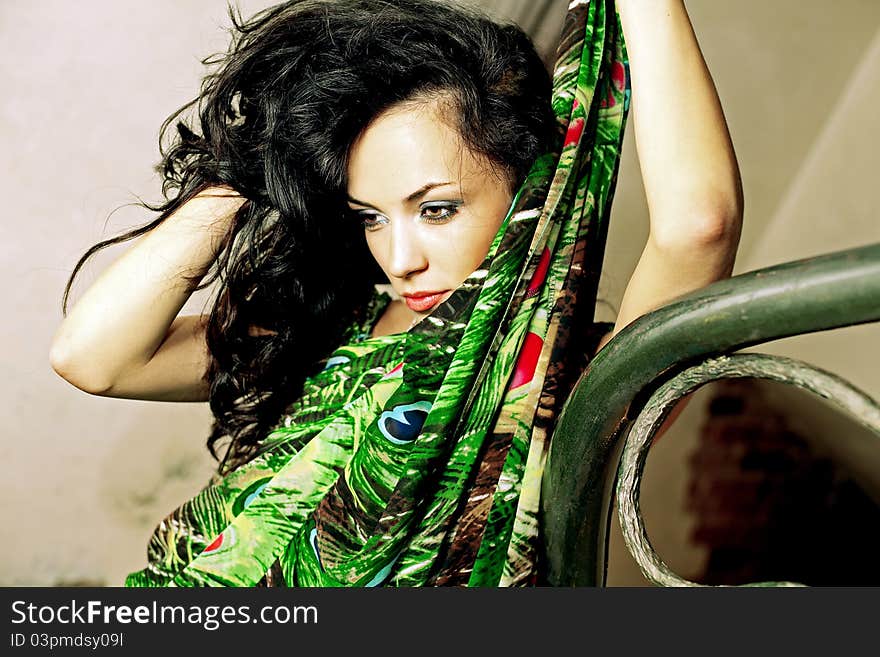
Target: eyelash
(370, 219)
(450, 210)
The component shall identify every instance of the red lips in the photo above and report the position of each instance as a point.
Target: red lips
(423, 301)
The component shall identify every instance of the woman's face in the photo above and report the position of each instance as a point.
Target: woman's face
(430, 207)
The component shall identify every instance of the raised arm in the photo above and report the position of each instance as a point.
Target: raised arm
(124, 338)
(689, 168)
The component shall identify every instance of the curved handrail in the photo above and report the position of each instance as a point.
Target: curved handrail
(835, 390)
(775, 302)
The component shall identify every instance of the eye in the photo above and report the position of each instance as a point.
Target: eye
(369, 220)
(439, 212)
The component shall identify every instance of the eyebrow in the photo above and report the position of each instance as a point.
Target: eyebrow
(415, 196)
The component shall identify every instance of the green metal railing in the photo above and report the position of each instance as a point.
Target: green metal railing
(609, 419)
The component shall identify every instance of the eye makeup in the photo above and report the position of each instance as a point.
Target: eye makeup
(433, 212)
(439, 211)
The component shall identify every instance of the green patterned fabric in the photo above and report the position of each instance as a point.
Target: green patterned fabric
(415, 459)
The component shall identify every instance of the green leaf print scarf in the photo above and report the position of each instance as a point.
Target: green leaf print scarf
(415, 459)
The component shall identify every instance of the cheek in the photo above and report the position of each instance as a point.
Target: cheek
(374, 244)
(464, 251)
(478, 246)
(485, 230)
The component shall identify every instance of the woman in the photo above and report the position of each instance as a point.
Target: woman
(397, 438)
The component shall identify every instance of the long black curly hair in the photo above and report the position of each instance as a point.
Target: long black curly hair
(274, 122)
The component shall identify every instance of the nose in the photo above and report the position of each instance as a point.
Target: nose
(406, 255)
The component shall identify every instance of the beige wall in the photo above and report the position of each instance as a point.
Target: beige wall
(85, 479)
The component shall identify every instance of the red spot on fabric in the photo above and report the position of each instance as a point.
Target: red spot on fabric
(395, 370)
(540, 272)
(575, 129)
(609, 101)
(528, 360)
(217, 543)
(618, 75)
(618, 79)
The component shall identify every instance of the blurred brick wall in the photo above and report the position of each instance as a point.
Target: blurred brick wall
(768, 507)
